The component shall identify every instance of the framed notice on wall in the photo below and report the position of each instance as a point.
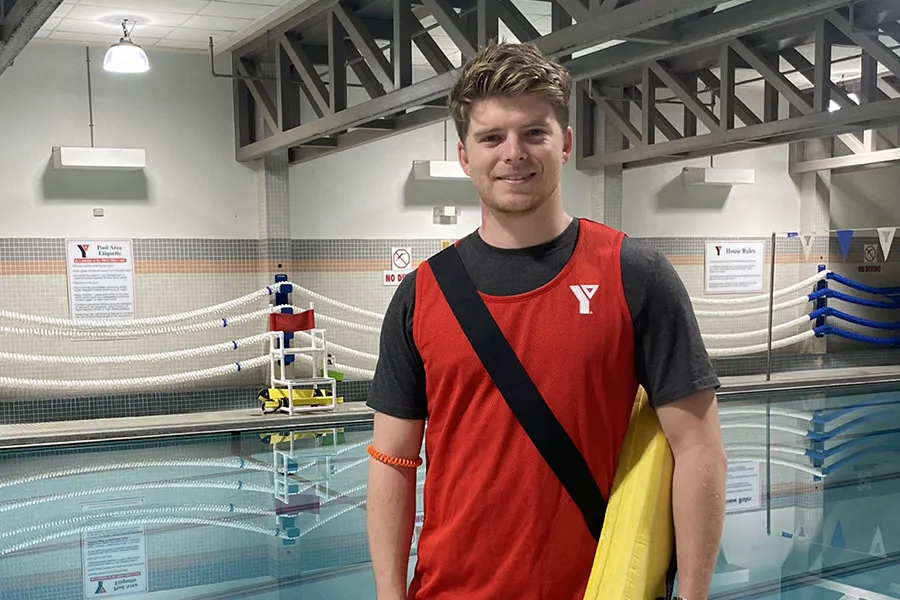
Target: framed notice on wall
(100, 276)
(734, 267)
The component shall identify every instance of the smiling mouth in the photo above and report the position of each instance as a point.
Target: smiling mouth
(522, 178)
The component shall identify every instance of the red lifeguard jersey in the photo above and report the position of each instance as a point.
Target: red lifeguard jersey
(498, 524)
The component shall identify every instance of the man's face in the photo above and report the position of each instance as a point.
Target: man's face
(514, 152)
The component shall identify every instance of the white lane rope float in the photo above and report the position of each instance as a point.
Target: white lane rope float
(176, 324)
(140, 512)
(136, 382)
(184, 316)
(100, 521)
(223, 463)
(123, 359)
(272, 531)
(227, 321)
(133, 487)
(763, 297)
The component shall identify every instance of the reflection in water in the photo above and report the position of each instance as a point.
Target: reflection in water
(275, 508)
(813, 486)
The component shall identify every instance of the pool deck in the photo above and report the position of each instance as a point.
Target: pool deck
(153, 427)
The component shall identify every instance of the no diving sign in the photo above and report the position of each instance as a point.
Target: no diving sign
(401, 259)
(401, 265)
(870, 260)
(393, 277)
(870, 253)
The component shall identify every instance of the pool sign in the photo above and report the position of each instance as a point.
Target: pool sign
(393, 277)
(401, 265)
(100, 275)
(742, 486)
(734, 267)
(114, 558)
(401, 259)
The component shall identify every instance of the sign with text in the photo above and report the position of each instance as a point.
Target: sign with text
(742, 486)
(114, 559)
(734, 267)
(393, 278)
(401, 266)
(101, 279)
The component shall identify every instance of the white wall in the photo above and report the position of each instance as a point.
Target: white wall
(865, 199)
(368, 191)
(177, 112)
(656, 203)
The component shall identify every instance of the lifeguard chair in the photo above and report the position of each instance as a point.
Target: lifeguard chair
(296, 395)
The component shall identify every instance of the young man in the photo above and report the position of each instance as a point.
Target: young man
(591, 315)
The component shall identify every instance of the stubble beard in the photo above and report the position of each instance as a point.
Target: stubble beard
(517, 205)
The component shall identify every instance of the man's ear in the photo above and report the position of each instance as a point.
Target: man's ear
(568, 143)
(463, 158)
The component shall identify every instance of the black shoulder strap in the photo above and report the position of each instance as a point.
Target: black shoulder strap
(517, 388)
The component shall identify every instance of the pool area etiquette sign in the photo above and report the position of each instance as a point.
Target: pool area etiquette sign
(100, 277)
(114, 558)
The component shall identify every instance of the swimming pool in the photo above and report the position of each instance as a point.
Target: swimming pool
(814, 488)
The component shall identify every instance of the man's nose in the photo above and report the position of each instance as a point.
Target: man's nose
(513, 149)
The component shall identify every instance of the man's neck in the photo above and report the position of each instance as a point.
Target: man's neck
(523, 231)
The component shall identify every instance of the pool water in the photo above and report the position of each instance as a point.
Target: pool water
(814, 491)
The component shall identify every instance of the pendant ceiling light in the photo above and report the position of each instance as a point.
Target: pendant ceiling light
(126, 56)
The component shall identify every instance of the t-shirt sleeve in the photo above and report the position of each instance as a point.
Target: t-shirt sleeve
(398, 387)
(670, 357)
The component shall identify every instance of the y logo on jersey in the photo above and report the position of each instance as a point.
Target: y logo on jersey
(584, 293)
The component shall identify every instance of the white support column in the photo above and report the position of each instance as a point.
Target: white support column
(815, 214)
(606, 182)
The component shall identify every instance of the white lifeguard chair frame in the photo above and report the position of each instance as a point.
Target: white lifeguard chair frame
(319, 476)
(318, 351)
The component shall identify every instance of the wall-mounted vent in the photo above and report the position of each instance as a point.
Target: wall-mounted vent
(714, 176)
(99, 159)
(438, 170)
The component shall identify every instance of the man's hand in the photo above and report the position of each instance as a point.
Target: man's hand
(698, 490)
(391, 504)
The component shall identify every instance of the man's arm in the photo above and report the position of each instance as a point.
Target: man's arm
(391, 504)
(397, 395)
(673, 365)
(698, 488)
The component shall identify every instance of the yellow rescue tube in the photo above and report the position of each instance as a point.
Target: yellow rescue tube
(638, 536)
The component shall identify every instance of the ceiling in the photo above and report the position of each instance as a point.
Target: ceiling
(184, 25)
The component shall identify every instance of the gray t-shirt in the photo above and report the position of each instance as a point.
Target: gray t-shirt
(671, 360)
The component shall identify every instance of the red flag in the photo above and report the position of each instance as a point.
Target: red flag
(303, 321)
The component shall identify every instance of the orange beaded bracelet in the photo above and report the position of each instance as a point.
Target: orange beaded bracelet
(393, 460)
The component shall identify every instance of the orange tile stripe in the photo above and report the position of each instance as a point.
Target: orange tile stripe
(232, 267)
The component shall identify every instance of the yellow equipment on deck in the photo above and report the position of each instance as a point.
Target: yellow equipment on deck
(637, 542)
(273, 399)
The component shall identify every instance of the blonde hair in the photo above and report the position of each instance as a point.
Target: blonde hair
(504, 69)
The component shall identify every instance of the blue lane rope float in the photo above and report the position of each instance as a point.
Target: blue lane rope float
(830, 293)
(861, 287)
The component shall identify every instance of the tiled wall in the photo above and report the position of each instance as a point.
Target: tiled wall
(171, 276)
(182, 275)
(352, 269)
